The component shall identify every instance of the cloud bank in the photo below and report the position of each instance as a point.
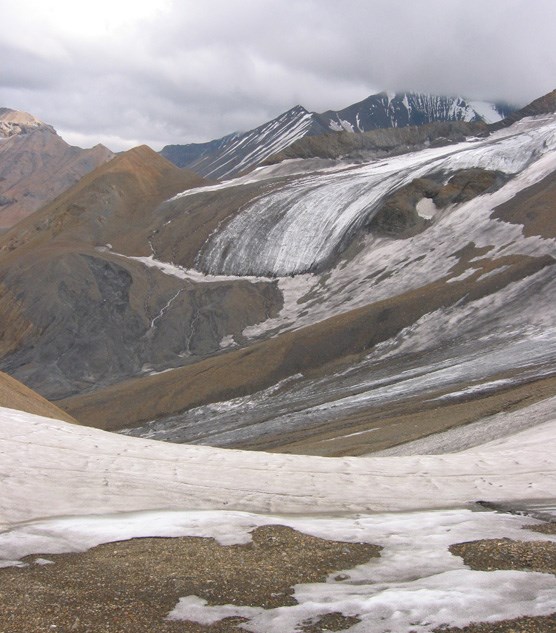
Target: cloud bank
(127, 72)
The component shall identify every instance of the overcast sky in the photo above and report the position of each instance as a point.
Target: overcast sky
(125, 72)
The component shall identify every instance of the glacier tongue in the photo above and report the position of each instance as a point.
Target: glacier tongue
(305, 224)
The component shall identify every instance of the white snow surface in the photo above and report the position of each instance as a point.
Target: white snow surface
(66, 488)
(51, 468)
(487, 111)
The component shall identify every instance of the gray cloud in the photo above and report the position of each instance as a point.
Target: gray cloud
(196, 71)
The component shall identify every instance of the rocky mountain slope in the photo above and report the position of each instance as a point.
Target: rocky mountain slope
(237, 153)
(385, 110)
(74, 315)
(240, 152)
(36, 165)
(333, 306)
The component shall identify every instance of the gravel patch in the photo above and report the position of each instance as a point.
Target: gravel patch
(489, 555)
(131, 586)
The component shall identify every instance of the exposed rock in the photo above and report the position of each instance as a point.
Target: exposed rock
(398, 215)
(97, 319)
(80, 317)
(378, 143)
(467, 184)
(14, 122)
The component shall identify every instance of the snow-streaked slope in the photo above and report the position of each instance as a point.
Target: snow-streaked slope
(50, 468)
(300, 227)
(240, 152)
(235, 153)
(385, 110)
(465, 348)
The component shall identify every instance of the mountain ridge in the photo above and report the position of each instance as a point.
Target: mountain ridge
(238, 152)
(36, 165)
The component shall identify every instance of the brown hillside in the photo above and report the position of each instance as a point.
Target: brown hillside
(543, 105)
(113, 204)
(38, 165)
(79, 316)
(15, 395)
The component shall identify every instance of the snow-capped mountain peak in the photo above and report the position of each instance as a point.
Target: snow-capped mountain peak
(239, 152)
(388, 109)
(236, 153)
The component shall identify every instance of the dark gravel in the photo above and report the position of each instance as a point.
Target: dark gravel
(493, 554)
(487, 555)
(131, 586)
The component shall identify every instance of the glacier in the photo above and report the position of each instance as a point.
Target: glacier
(304, 226)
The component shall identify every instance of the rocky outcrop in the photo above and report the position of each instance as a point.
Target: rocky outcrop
(466, 184)
(398, 215)
(14, 122)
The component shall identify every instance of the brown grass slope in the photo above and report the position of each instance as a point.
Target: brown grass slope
(15, 395)
(543, 105)
(113, 204)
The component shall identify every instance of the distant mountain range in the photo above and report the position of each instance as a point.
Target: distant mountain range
(236, 153)
(36, 165)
